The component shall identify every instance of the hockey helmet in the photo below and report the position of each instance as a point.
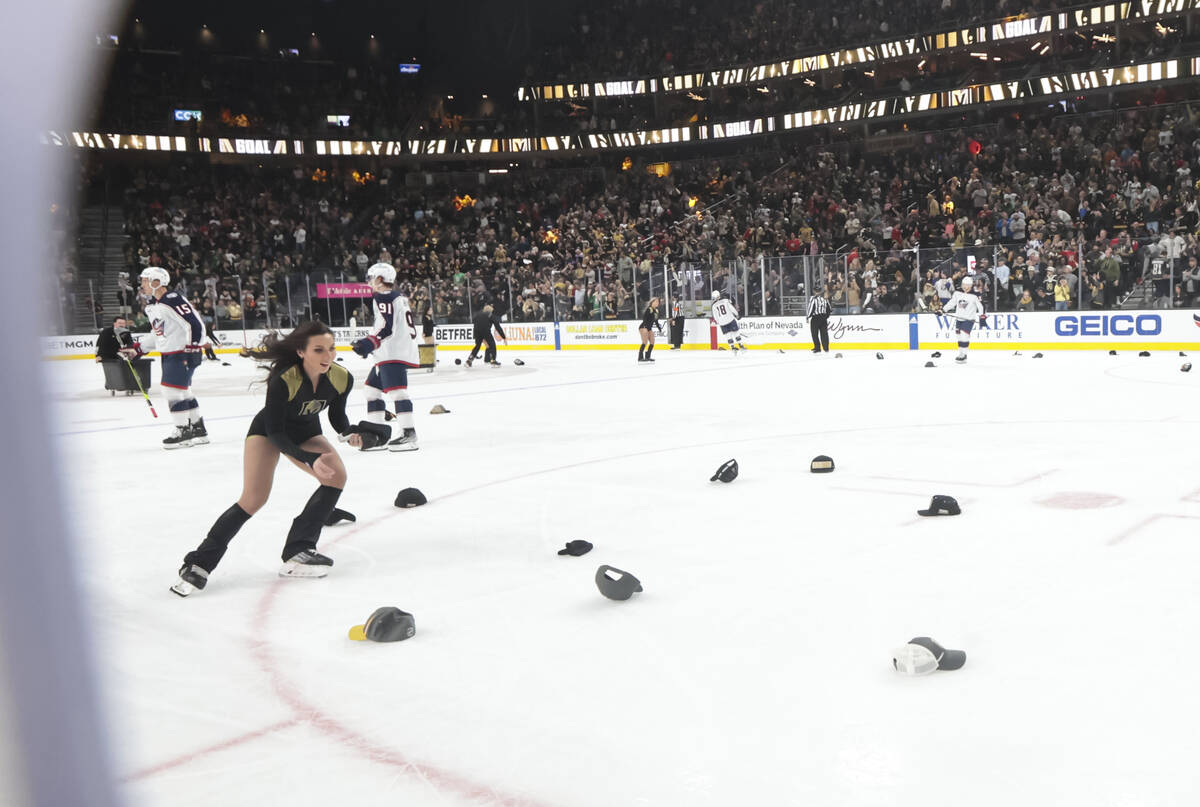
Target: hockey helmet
(153, 273)
(384, 271)
(716, 295)
(968, 282)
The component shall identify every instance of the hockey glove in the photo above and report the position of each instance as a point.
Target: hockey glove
(364, 346)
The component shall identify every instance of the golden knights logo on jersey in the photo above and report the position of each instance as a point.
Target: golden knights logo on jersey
(313, 407)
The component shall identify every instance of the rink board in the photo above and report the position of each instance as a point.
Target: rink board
(1040, 330)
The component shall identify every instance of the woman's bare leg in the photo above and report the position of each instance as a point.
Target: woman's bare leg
(306, 527)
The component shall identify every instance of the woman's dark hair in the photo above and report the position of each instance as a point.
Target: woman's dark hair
(280, 350)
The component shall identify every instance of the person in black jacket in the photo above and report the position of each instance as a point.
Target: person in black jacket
(113, 339)
(485, 320)
(304, 380)
(427, 325)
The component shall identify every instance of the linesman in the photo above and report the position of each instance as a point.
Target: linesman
(818, 322)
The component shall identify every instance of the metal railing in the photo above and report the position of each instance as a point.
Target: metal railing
(1008, 277)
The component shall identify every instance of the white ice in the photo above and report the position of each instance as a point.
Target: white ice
(755, 667)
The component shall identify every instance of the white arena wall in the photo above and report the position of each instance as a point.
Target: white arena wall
(1041, 330)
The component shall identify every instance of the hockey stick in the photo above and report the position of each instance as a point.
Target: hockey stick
(139, 384)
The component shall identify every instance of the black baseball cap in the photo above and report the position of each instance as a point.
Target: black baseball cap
(923, 655)
(941, 505)
(386, 624)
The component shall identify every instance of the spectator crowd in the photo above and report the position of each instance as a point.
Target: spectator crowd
(1066, 212)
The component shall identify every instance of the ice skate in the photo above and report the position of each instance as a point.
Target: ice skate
(961, 359)
(470, 359)
(180, 438)
(307, 563)
(407, 441)
(191, 578)
(199, 434)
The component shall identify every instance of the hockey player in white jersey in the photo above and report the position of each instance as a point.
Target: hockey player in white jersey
(967, 310)
(177, 333)
(393, 344)
(726, 317)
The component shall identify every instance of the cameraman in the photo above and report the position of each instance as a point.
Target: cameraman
(113, 339)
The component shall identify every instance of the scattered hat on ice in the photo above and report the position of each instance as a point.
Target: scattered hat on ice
(941, 505)
(410, 497)
(821, 464)
(339, 515)
(930, 364)
(386, 624)
(1112, 352)
(923, 655)
(1037, 355)
(518, 362)
(1186, 368)
(622, 587)
(879, 355)
(438, 409)
(1144, 353)
(1181, 353)
(576, 548)
(726, 473)
(937, 354)
(837, 355)
(458, 361)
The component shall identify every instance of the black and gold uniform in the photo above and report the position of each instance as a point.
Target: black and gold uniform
(649, 325)
(650, 320)
(293, 409)
(291, 416)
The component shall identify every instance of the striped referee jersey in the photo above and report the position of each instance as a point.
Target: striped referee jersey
(818, 305)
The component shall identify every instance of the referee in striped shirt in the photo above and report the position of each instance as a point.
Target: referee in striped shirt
(818, 322)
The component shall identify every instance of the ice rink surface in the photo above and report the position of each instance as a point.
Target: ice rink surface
(755, 667)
